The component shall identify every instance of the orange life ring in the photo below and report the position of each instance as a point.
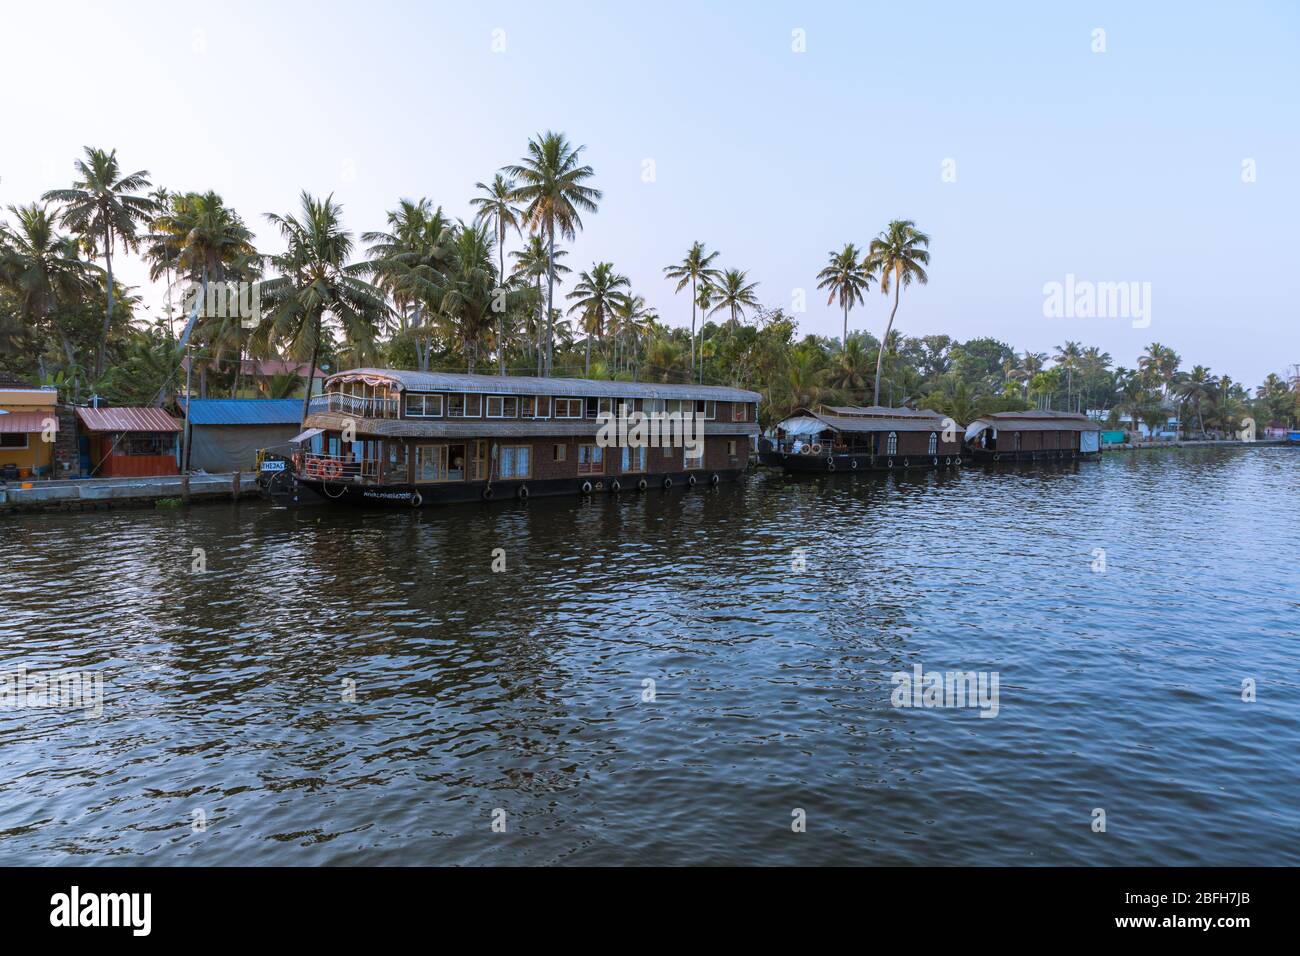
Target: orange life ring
(313, 469)
(332, 469)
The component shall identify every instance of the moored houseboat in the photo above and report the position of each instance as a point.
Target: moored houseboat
(862, 438)
(379, 436)
(1032, 436)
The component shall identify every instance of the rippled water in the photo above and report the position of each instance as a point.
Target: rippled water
(523, 690)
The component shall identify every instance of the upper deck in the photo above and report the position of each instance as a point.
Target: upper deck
(396, 403)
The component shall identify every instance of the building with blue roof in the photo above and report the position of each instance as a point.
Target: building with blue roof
(227, 433)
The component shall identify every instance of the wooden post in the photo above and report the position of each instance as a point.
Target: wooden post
(185, 488)
(234, 487)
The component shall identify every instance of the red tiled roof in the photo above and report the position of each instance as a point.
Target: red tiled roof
(146, 419)
(26, 422)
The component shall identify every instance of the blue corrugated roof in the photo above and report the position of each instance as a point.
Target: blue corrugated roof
(244, 411)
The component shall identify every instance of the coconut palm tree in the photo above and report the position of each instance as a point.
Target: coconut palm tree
(104, 208)
(695, 268)
(633, 323)
(44, 271)
(409, 263)
(1196, 389)
(597, 294)
(733, 293)
(532, 262)
(496, 207)
(898, 256)
(551, 185)
(316, 278)
(471, 289)
(1068, 357)
(1160, 363)
(847, 278)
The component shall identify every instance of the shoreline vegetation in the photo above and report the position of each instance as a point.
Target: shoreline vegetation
(495, 295)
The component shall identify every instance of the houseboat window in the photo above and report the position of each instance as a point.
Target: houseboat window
(396, 469)
(516, 461)
(708, 409)
(423, 406)
(651, 405)
(934, 443)
(668, 451)
(673, 405)
(502, 406)
(694, 456)
(605, 406)
(473, 406)
(561, 452)
(568, 408)
(455, 406)
(592, 408)
(891, 444)
(731, 449)
(633, 459)
(1017, 441)
(455, 462)
(478, 463)
(431, 463)
(13, 440)
(543, 407)
(740, 411)
(591, 460)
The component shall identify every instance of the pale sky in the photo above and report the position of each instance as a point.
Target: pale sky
(1123, 165)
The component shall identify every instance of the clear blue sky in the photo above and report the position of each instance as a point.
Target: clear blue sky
(1124, 165)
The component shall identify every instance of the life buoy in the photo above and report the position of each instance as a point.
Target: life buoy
(615, 486)
(313, 468)
(830, 464)
(853, 463)
(668, 483)
(997, 457)
(586, 487)
(522, 492)
(487, 493)
(891, 463)
(805, 449)
(959, 459)
(905, 464)
(691, 481)
(947, 461)
(642, 485)
(817, 448)
(333, 469)
(416, 500)
(714, 479)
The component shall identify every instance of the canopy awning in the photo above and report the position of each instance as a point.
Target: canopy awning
(305, 435)
(802, 425)
(20, 422)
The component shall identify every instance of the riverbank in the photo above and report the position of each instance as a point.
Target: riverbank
(96, 494)
(1195, 443)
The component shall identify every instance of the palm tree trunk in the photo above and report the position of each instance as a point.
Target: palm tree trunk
(844, 342)
(501, 283)
(108, 314)
(311, 371)
(550, 298)
(541, 324)
(692, 328)
(587, 373)
(880, 357)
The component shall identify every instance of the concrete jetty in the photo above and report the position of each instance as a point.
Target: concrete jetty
(92, 494)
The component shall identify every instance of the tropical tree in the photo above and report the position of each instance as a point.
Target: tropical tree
(735, 294)
(316, 278)
(551, 185)
(1196, 389)
(532, 262)
(847, 278)
(1068, 357)
(696, 268)
(103, 207)
(898, 256)
(633, 323)
(409, 264)
(496, 207)
(595, 297)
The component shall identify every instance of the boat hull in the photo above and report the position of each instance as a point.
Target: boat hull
(301, 490)
(982, 456)
(825, 464)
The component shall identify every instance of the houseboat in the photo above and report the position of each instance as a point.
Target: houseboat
(386, 437)
(1032, 436)
(862, 438)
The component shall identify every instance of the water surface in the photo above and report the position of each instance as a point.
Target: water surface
(522, 691)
